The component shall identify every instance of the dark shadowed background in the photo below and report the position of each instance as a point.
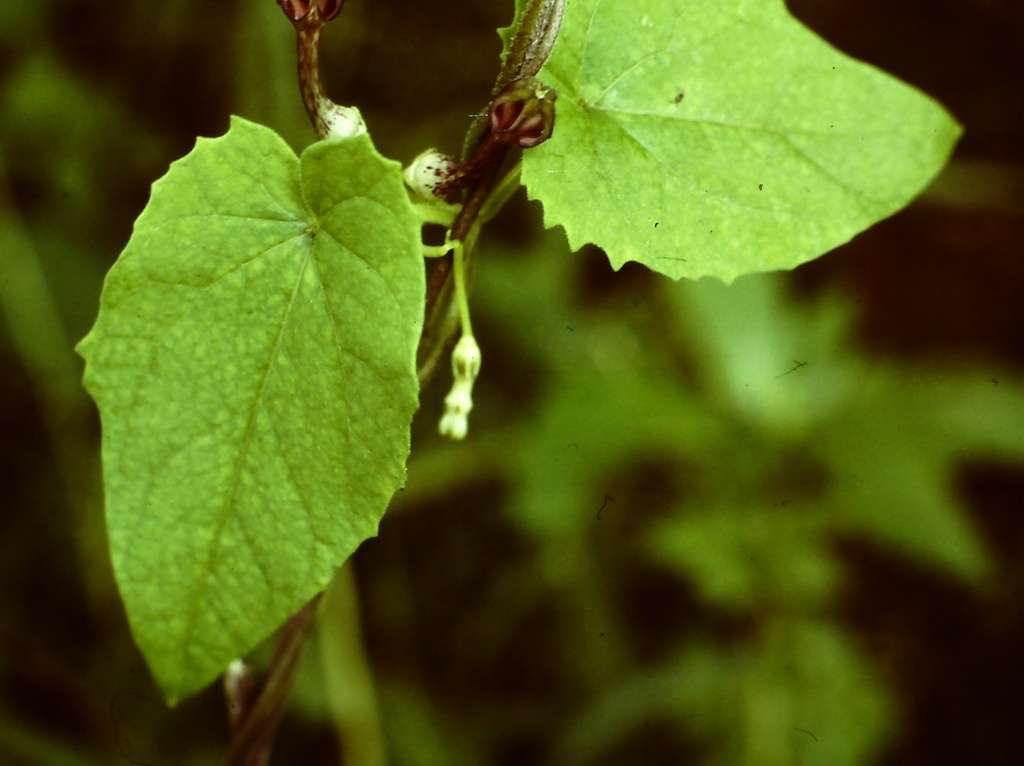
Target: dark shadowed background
(772, 524)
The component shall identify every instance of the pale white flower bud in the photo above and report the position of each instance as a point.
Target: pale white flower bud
(427, 172)
(466, 361)
(239, 689)
(342, 121)
(235, 670)
(454, 426)
(458, 404)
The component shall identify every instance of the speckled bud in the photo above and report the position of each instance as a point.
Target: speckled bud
(427, 173)
(341, 121)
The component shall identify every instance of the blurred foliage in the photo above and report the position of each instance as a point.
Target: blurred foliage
(726, 436)
(775, 523)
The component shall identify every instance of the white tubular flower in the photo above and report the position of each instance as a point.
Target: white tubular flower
(466, 361)
(427, 172)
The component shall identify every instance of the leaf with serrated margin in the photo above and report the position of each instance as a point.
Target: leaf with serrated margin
(712, 138)
(254, 366)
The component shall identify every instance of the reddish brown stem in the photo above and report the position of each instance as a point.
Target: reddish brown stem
(254, 738)
(308, 40)
(493, 152)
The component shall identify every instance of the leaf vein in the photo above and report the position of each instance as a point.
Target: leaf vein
(202, 581)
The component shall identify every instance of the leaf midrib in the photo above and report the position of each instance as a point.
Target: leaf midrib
(225, 513)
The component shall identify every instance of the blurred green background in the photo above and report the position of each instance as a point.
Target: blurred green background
(773, 524)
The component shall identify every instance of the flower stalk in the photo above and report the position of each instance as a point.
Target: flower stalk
(330, 120)
(521, 114)
(485, 147)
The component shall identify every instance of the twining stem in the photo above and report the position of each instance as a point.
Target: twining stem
(439, 325)
(328, 119)
(500, 194)
(533, 42)
(255, 715)
(307, 36)
(254, 737)
(490, 204)
(483, 197)
(531, 45)
(239, 692)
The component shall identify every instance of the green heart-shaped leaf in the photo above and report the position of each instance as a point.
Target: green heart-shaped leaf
(254, 367)
(715, 138)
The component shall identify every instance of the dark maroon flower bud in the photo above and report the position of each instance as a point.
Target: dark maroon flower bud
(535, 130)
(296, 10)
(524, 113)
(504, 115)
(329, 8)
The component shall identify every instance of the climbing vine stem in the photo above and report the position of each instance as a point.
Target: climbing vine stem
(255, 727)
(521, 114)
(531, 43)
